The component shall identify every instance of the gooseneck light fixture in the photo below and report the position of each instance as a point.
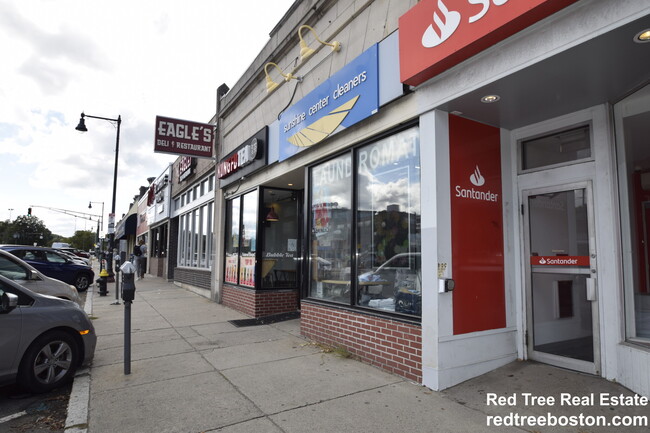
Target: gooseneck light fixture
(111, 218)
(305, 51)
(272, 85)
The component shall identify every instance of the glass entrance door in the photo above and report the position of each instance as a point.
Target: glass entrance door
(561, 274)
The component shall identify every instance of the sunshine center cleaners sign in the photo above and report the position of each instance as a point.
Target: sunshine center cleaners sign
(182, 137)
(349, 96)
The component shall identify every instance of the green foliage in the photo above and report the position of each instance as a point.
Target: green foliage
(25, 230)
(83, 240)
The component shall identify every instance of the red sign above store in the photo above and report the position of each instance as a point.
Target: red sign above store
(435, 35)
(182, 137)
(559, 260)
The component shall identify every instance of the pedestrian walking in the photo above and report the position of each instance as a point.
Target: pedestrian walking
(140, 254)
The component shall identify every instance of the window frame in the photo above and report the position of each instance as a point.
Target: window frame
(307, 227)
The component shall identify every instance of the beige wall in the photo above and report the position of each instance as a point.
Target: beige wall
(357, 25)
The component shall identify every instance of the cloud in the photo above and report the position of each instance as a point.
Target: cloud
(55, 56)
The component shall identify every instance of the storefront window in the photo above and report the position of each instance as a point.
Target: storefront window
(248, 240)
(241, 240)
(232, 241)
(380, 229)
(195, 232)
(281, 246)
(388, 220)
(633, 130)
(331, 230)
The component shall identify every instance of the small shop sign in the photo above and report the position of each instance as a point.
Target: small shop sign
(559, 260)
(247, 158)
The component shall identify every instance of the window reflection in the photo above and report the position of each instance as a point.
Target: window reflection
(388, 220)
(386, 234)
(248, 240)
(331, 229)
(232, 241)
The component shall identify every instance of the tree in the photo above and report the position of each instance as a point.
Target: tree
(83, 240)
(5, 235)
(28, 230)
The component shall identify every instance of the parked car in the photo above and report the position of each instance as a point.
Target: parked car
(43, 339)
(75, 258)
(53, 264)
(77, 252)
(27, 276)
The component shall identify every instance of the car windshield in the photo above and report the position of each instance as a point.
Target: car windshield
(53, 257)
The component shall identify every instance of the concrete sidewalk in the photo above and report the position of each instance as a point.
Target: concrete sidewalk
(193, 371)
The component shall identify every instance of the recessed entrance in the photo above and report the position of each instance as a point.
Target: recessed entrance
(561, 277)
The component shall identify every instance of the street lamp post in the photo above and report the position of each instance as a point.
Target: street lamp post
(100, 227)
(111, 217)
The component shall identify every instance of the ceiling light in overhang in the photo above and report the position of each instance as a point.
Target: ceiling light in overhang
(642, 37)
(489, 99)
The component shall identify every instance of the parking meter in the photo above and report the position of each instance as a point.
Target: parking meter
(128, 295)
(128, 281)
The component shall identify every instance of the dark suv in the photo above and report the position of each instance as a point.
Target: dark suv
(54, 264)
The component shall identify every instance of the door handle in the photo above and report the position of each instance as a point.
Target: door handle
(591, 289)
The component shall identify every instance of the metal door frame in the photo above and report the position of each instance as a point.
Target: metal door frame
(557, 360)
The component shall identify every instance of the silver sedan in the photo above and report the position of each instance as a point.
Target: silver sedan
(43, 340)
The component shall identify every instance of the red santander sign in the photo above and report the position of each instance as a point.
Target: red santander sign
(435, 35)
(559, 260)
(182, 137)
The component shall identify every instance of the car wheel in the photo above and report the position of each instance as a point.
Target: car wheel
(82, 282)
(50, 361)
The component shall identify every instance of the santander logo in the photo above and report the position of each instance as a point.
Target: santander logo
(445, 26)
(476, 178)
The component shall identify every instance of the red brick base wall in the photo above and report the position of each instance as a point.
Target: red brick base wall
(258, 303)
(391, 345)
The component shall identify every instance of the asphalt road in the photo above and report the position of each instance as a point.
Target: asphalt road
(33, 413)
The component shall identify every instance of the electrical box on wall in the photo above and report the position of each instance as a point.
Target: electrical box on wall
(446, 285)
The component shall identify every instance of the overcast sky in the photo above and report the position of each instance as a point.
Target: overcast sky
(134, 58)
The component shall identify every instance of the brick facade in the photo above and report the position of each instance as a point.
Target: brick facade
(259, 303)
(386, 343)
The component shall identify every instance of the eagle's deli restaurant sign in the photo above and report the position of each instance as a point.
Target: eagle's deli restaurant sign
(182, 137)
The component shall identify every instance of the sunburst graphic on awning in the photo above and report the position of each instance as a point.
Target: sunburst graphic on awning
(323, 127)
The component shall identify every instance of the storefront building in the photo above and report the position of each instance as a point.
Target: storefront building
(469, 180)
(132, 225)
(158, 211)
(191, 230)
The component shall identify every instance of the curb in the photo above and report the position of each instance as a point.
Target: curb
(77, 419)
